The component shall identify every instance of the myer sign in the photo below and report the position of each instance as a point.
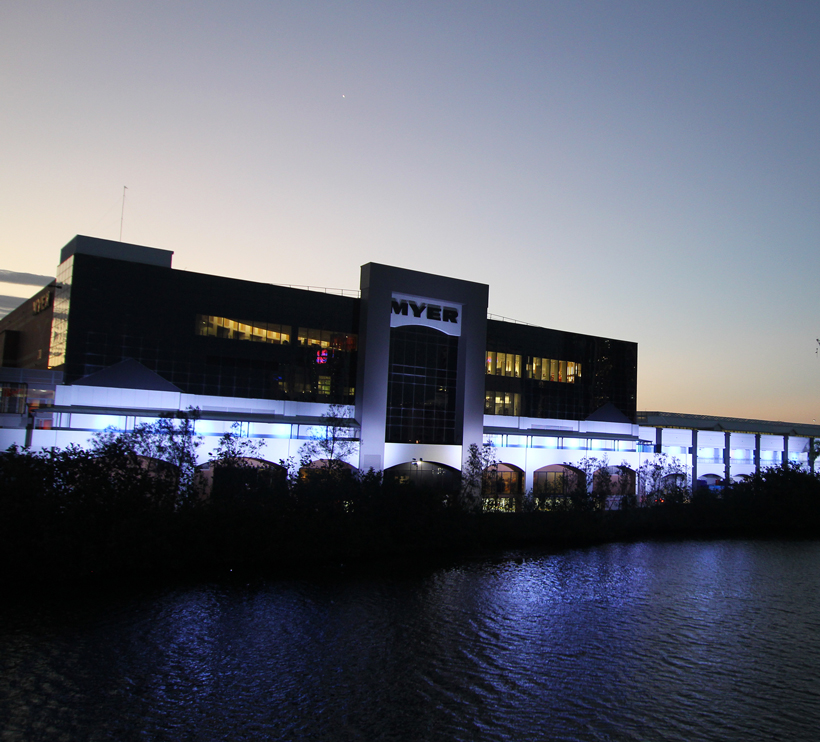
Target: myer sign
(444, 316)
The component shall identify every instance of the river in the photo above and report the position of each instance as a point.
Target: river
(646, 641)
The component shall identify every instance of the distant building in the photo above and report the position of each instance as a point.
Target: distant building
(413, 358)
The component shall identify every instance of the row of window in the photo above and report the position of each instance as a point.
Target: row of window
(270, 332)
(531, 367)
(234, 329)
(327, 339)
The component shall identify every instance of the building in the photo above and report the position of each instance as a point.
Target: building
(412, 359)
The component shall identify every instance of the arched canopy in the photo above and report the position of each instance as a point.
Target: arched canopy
(424, 474)
(503, 480)
(153, 464)
(320, 468)
(614, 486)
(242, 477)
(619, 476)
(328, 464)
(556, 479)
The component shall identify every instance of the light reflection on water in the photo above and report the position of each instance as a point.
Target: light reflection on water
(647, 641)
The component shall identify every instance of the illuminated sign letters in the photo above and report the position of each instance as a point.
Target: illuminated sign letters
(438, 314)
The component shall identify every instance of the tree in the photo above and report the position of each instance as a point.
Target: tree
(591, 485)
(601, 484)
(625, 488)
(165, 448)
(473, 474)
(662, 480)
(241, 474)
(332, 446)
(814, 454)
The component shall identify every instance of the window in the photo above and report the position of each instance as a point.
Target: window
(552, 482)
(324, 385)
(540, 369)
(12, 398)
(59, 322)
(503, 364)
(502, 403)
(421, 386)
(327, 339)
(234, 329)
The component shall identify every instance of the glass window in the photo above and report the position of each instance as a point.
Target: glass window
(12, 398)
(421, 387)
(233, 329)
(59, 321)
(503, 364)
(327, 339)
(533, 367)
(502, 403)
(324, 385)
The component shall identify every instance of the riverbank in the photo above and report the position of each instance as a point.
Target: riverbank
(77, 516)
(253, 539)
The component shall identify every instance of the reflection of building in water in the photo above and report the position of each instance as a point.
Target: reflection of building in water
(417, 365)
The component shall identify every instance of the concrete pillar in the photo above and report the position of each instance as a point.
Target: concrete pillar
(658, 440)
(727, 457)
(694, 460)
(812, 454)
(757, 453)
(785, 458)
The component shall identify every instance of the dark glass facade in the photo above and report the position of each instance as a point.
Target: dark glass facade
(25, 333)
(609, 373)
(154, 315)
(226, 337)
(421, 386)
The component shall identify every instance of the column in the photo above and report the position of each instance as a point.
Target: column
(757, 453)
(727, 457)
(694, 460)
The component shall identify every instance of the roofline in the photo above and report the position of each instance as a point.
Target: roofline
(726, 424)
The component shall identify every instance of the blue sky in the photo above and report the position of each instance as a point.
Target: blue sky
(641, 170)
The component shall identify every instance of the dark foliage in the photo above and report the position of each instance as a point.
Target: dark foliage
(75, 514)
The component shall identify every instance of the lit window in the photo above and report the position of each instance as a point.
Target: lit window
(502, 403)
(232, 329)
(533, 367)
(327, 339)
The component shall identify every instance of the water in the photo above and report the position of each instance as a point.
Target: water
(647, 641)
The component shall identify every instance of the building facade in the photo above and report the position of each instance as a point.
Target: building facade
(411, 362)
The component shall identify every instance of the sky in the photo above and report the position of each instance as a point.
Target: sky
(647, 171)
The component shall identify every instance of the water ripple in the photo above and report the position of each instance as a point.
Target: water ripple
(675, 641)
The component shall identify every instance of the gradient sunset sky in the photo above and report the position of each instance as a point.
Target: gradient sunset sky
(648, 171)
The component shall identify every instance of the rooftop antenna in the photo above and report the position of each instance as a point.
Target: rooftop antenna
(122, 213)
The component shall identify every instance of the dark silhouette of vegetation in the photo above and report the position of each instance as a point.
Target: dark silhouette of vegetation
(134, 503)
(475, 482)
(662, 480)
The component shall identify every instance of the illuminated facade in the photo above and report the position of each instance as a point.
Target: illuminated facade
(412, 358)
